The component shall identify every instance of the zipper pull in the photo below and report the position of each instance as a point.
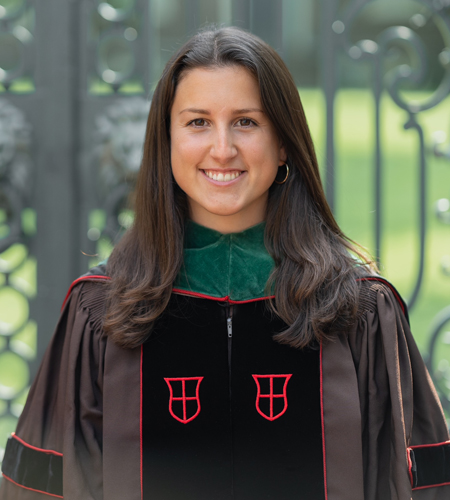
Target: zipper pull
(230, 327)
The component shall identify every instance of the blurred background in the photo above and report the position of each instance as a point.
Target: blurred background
(76, 79)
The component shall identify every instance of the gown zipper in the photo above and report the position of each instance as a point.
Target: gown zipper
(230, 340)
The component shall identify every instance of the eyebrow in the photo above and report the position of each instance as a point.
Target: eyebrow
(236, 111)
(196, 110)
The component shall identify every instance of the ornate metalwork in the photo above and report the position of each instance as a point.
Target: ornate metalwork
(121, 131)
(16, 42)
(116, 37)
(15, 170)
(412, 71)
(117, 65)
(118, 155)
(438, 360)
(17, 220)
(17, 269)
(376, 51)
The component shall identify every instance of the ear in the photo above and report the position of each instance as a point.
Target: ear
(282, 155)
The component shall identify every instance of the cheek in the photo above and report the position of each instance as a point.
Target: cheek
(263, 147)
(265, 155)
(186, 149)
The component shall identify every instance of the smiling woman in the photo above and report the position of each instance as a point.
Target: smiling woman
(225, 156)
(232, 347)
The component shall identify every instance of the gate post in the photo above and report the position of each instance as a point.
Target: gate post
(56, 135)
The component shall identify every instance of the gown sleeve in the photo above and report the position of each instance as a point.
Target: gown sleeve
(56, 450)
(406, 450)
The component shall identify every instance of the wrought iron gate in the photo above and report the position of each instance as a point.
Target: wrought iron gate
(76, 76)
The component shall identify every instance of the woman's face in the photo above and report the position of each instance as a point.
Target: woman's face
(224, 149)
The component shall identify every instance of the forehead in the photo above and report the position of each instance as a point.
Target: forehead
(233, 85)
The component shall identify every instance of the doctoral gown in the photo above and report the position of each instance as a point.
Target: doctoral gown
(212, 407)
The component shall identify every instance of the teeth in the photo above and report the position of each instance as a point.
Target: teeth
(222, 177)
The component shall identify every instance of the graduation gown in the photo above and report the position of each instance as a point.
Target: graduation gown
(211, 407)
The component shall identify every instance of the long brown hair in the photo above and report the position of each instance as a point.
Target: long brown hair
(315, 275)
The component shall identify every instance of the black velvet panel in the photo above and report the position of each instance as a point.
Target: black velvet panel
(192, 460)
(279, 458)
(32, 468)
(229, 449)
(431, 465)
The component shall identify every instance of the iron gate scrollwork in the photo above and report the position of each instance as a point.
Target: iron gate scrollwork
(337, 24)
(52, 96)
(117, 157)
(17, 217)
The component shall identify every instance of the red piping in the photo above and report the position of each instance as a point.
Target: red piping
(218, 299)
(428, 445)
(50, 452)
(31, 489)
(410, 468)
(222, 299)
(140, 423)
(94, 277)
(393, 290)
(430, 486)
(323, 426)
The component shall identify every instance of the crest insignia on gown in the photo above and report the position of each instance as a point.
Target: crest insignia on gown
(271, 399)
(184, 402)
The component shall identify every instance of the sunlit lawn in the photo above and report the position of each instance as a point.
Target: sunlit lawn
(354, 211)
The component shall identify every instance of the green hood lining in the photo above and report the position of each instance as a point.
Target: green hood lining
(231, 267)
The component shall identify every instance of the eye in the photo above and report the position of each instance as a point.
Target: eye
(246, 122)
(198, 122)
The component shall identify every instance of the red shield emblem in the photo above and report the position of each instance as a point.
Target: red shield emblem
(184, 398)
(271, 400)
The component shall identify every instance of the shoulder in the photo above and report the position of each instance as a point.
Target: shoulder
(88, 293)
(374, 286)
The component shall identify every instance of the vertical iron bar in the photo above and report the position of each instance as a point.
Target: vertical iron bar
(266, 21)
(328, 10)
(146, 35)
(378, 160)
(192, 17)
(57, 221)
(85, 194)
(241, 13)
(412, 123)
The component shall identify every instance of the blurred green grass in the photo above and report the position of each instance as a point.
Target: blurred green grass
(354, 211)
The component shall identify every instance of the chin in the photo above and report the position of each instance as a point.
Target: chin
(224, 211)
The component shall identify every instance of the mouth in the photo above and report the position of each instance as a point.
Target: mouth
(228, 176)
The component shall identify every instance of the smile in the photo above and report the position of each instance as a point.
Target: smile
(222, 177)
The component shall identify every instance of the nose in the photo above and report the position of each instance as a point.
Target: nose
(223, 148)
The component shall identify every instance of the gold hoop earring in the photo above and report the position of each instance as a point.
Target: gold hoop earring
(287, 175)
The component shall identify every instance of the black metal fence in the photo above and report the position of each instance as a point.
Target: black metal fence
(75, 81)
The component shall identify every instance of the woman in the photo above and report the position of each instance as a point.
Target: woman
(233, 347)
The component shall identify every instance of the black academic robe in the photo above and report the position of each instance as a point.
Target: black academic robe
(211, 407)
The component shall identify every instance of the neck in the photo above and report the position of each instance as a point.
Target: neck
(226, 224)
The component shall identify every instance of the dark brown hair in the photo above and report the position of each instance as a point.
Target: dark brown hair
(315, 275)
